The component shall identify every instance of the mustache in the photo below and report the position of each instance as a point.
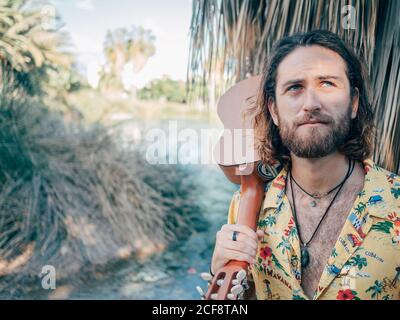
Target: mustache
(313, 118)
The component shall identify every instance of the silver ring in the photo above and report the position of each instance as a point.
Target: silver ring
(234, 235)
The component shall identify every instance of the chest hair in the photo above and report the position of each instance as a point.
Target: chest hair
(326, 236)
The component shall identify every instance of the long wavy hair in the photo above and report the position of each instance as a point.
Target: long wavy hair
(359, 143)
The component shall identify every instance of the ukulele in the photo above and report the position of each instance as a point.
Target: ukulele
(243, 170)
(251, 196)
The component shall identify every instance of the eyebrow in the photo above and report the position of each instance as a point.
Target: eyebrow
(321, 77)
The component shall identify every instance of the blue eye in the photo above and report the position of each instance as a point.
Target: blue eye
(330, 84)
(294, 87)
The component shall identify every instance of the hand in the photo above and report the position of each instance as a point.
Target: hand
(243, 249)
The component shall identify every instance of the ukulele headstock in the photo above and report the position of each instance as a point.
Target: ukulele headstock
(227, 283)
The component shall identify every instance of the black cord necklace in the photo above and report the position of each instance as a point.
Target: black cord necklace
(305, 255)
(314, 196)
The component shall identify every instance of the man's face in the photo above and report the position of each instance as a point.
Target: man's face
(313, 107)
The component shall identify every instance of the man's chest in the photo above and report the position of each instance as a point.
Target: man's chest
(320, 236)
(354, 253)
(319, 224)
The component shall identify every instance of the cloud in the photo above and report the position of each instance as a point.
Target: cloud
(84, 4)
(151, 24)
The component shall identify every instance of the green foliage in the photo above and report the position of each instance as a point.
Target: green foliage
(395, 192)
(375, 289)
(358, 261)
(32, 55)
(171, 90)
(384, 226)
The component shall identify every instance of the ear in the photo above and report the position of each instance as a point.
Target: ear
(355, 103)
(273, 112)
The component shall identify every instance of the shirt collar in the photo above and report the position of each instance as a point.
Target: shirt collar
(376, 190)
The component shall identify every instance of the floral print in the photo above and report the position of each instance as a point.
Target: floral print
(365, 261)
(347, 295)
(265, 253)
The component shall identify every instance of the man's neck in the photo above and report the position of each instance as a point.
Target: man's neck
(319, 175)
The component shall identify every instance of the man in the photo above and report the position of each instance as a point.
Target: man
(329, 225)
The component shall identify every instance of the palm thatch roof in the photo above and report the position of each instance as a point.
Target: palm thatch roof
(230, 40)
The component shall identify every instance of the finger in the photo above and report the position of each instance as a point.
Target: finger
(242, 247)
(239, 256)
(241, 228)
(242, 239)
(233, 252)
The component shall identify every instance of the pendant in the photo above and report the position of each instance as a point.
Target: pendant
(313, 203)
(305, 257)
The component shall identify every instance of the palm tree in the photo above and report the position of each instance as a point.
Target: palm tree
(29, 51)
(123, 46)
(114, 50)
(360, 208)
(395, 192)
(384, 226)
(375, 289)
(358, 261)
(240, 34)
(140, 47)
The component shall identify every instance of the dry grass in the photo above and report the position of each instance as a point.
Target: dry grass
(71, 198)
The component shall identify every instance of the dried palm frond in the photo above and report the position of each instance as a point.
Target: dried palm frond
(231, 40)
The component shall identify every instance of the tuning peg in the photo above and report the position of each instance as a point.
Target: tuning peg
(200, 291)
(230, 296)
(213, 296)
(241, 275)
(237, 289)
(206, 276)
(235, 282)
(220, 282)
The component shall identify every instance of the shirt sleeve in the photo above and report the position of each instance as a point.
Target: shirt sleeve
(234, 207)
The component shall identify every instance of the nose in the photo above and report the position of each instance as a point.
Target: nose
(311, 102)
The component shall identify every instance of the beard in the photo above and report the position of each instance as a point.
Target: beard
(318, 141)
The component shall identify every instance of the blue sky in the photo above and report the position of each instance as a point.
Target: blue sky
(87, 21)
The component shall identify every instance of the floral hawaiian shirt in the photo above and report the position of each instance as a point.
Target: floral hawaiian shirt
(365, 261)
